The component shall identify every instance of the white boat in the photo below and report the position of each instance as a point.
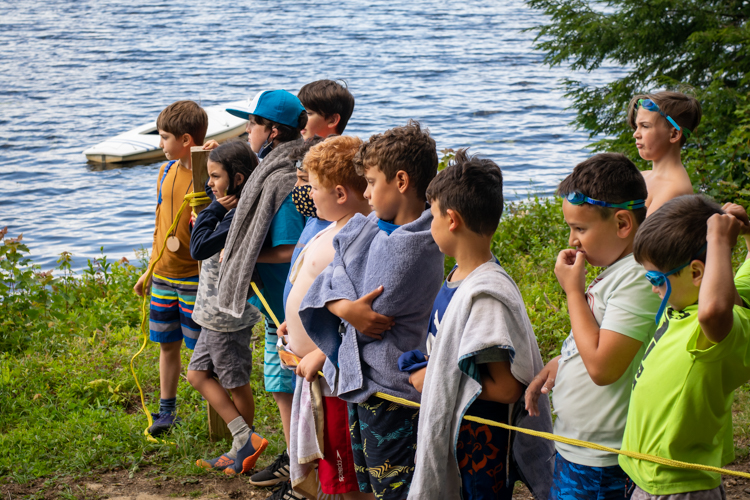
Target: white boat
(142, 143)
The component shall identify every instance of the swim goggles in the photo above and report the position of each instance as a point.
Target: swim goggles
(650, 105)
(658, 278)
(578, 198)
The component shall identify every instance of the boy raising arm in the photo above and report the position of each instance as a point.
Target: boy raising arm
(681, 403)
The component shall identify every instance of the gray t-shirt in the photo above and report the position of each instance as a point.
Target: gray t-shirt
(206, 311)
(622, 301)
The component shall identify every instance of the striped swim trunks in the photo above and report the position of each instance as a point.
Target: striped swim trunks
(171, 311)
(275, 377)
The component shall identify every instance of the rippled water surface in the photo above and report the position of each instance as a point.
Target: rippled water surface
(75, 73)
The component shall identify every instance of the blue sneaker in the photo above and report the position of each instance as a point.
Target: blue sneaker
(163, 422)
(220, 463)
(248, 455)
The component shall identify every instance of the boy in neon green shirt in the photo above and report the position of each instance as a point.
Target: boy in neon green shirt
(681, 403)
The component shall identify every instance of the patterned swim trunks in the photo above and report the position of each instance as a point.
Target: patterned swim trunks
(384, 442)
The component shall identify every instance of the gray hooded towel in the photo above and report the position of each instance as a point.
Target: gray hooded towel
(486, 312)
(262, 195)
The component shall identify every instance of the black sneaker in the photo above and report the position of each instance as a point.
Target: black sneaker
(285, 492)
(163, 422)
(275, 473)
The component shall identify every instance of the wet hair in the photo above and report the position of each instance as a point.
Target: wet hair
(682, 108)
(409, 148)
(327, 98)
(331, 162)
(675, 233)
(236, 157)
(286, 133)
(184, 117)
(299, 152)
(609, 177)
(473, 187)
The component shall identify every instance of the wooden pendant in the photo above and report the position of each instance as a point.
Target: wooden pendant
(173, 244)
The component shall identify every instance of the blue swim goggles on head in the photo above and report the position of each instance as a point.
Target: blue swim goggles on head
(576, 198)
(650, 105)
(657, 279)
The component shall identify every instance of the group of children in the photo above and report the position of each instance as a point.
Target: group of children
(338, 245)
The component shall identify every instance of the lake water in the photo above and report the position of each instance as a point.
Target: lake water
(74, 73)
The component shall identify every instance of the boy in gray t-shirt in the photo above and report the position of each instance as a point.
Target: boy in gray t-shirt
(611, 323)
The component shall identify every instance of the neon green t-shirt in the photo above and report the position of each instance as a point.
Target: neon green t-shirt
(681, 405)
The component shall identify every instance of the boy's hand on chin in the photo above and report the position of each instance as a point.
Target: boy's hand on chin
(416, 378)
(228, 202)
(570, 270)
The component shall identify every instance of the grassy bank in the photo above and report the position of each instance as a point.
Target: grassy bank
(70, 407)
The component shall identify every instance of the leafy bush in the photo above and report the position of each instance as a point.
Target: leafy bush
(695, 46)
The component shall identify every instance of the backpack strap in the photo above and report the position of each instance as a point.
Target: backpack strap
(161, 184)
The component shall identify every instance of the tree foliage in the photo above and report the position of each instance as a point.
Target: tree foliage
(693, 46)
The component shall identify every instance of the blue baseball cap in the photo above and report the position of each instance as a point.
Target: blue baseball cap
(278, 106)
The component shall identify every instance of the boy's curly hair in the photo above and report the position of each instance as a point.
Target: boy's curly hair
(328, 97)
(298, 153)
(409, 149)
(331, 162)
(473, 187)
(682, 108)
(184, 117)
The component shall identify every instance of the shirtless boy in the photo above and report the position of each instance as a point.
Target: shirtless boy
(662, 123)
(337, 192)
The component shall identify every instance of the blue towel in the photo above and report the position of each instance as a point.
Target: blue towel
(409, 266)
(411, 361)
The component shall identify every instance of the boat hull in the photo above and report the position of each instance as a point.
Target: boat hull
(142, 143)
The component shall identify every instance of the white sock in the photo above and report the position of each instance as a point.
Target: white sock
(240, 434)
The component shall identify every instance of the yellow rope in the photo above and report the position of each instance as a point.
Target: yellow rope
(583, 444)
(194, 200)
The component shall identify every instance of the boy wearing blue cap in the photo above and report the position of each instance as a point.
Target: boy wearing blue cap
(612, 322)
(265, 228)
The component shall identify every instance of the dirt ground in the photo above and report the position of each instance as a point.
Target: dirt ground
(149, 484)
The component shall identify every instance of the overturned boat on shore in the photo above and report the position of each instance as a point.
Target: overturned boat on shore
(142, 143)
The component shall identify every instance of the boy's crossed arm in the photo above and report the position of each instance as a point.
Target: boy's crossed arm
(606, 354)
(360, 315)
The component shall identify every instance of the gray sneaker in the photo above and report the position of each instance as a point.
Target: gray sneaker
(277, 472)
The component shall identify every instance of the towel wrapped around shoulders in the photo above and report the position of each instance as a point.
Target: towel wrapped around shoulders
(486, 312)
(262, 195)
(409, 266)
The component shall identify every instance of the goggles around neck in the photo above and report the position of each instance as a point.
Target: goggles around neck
(658, 278)
(650, 105)
(577, 198)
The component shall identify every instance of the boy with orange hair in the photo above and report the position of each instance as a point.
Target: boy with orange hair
(337, 192)
(174, 285)
(661, 124)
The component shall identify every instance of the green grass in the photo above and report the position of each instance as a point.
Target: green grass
(69, 405)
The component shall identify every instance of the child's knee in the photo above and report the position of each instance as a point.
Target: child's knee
(196, 377)
(170, 347)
